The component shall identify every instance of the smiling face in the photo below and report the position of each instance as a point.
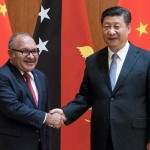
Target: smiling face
(23, 63)
(115, 32)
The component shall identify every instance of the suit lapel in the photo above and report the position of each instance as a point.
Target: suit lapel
(130, 60)
(37, 82)
(21, 80)
(102, 61)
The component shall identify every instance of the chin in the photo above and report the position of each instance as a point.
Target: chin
(28, 69)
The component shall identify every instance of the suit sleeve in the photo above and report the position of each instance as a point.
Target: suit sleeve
(80, 104)
(11, 105)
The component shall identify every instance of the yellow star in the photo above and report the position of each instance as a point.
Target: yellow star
(142, 28)
(3, 9)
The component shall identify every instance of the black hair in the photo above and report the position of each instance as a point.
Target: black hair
(117, 11)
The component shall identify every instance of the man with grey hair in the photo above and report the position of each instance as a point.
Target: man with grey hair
(24, 102)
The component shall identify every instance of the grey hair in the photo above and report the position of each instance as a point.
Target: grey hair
(11, 43)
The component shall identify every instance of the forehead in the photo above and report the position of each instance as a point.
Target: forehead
(114, 20)
(24, 41)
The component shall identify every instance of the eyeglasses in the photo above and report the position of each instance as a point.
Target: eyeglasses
(34, 52)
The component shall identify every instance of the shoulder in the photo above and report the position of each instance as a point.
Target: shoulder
(39, 73)
(5, 70)
(142, 55)
(141, 50)
(100, 52)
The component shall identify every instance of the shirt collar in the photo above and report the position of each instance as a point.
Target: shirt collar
(121, 53)
(30, 73)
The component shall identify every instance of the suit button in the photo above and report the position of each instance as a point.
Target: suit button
(112, 98)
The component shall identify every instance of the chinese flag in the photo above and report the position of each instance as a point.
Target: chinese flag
(76, 45)
(140, 25)
(5, 32)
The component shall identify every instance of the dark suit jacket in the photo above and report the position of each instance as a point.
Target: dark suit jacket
(21, 123)
(125, 110)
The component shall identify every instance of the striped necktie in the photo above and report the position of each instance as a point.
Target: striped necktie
(28, 81)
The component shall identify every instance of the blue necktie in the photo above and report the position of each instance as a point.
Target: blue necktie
(113, 71)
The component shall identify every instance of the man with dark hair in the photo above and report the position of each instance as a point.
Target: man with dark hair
(24, 99)
(116, 85)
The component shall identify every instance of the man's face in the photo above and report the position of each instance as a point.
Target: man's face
(23, 63)
(115, 32)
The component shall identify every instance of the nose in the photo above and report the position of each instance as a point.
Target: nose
(30, 55)
(112, 31)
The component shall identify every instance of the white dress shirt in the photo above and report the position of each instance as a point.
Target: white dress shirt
(121, 57)
(34, 88)
(33, 83)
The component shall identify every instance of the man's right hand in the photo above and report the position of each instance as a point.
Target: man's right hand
(54, 120)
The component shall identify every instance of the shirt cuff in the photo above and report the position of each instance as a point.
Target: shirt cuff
(45, 118)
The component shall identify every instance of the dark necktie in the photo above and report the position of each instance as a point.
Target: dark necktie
(113, 70)
(28, 81)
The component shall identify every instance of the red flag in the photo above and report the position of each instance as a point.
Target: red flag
(76, 46)
(5, 32)
(140, 25)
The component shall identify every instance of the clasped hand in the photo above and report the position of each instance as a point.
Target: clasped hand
(55, 118)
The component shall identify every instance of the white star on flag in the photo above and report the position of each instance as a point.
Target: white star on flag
(43, 13)
(42, 46)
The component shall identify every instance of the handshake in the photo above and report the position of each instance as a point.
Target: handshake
(55, 118)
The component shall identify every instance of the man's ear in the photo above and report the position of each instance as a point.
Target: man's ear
(129, 28)
(11, 54)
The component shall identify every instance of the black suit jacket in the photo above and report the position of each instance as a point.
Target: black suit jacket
(125, 110)
(21, 123)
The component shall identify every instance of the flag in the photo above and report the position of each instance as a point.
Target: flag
(63, 37)
(5, 32)
(140, 25)
(47, 35)
(76, 46)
